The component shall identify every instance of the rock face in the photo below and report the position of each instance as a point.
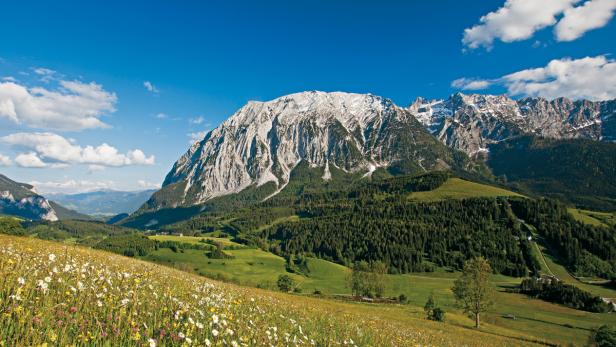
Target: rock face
(264, 141)
(472, 122)
(21, 200)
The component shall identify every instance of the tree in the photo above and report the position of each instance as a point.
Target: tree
(605, 336)
(429, 306)
(473, 290)
(368, 279)
(433, 312)
(285, 283)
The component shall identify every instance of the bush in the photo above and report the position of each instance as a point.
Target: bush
(403, 299)
(433, 312)
(438, 314)
(285, 283)
(605, 336)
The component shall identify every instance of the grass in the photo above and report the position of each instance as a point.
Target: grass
(602, 219)
(457, 188)
(195, 239)
(536, 319)
(58, 294)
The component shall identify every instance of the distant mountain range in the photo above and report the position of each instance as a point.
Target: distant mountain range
(471, 123)
(103, 203)
(256, 150)
(22, 200)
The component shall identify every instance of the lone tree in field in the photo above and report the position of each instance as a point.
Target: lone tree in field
(473, 290)
(285, 283)
(368, 279)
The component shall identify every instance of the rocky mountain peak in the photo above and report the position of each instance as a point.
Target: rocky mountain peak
(264, 141)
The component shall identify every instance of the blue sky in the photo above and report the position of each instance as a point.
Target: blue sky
(206, 59)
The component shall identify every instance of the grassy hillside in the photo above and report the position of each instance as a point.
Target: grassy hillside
(604, 219)
(457, 188)
(555, 323)
(54, 294)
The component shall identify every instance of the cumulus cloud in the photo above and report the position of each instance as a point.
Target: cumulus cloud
(150, 87)
(30, 160)
(162, 115)
(73, 106)
(592, 78)
(147, 185)
(72, 186)
(518, 20)
(470, 84)
(52, 149)
(5, 161)
(591, 15)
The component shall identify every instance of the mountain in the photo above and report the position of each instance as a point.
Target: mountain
(263, 142)
(22, 200)
(106, 202)
(472, 122)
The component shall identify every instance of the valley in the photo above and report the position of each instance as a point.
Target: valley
(250, 258)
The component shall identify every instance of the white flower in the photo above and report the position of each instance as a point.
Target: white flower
(208, 343)
(152, 342)
(52, 257)
(124, 302)
(188, 340)
(21, 281)
(199, 325)
(181, 335)
(47, 279)
(234, 344)
(42, 285)
(214, 332)
(99, 303)
(215, 319)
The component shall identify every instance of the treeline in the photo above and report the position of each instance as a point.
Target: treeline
(555, 291)
(405, 235)
(586, 250)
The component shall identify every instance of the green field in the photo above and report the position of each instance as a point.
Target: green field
(543, 320)
(195, 239)
(457, 188)
(595, 218)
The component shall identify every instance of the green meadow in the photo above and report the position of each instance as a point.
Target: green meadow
(534, 319)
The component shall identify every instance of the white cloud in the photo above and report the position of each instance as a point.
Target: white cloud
(196, 120)
(147, 185)
(470, 84)
(73, 106)
(72, 186)
(47, 75)
(59, 150)
(518, 20)
(30, 160)
(9, 79)
(5, 161)
(150, 87)
(162, 115)
(591, 15)
(592, 78)
(196, 136)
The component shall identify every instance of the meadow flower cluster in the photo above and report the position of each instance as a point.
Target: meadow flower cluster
(53, 294)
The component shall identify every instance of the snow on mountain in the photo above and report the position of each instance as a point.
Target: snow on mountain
(264, 141)
(471, 122)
